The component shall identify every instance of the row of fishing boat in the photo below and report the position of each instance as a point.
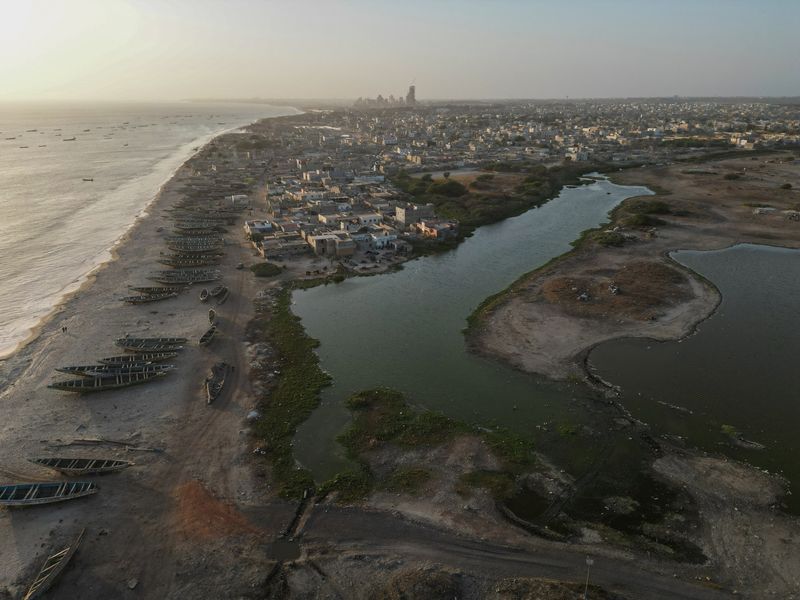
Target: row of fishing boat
(143, 365)
(152, 293)
(196, 246)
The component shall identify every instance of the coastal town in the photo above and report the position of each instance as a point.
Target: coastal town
(201, 454)
(335, 181)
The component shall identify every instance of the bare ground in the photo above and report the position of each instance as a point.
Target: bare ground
(548, 320)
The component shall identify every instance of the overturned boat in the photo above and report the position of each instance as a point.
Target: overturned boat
(31, 494)
(82, 466)
(105, 382)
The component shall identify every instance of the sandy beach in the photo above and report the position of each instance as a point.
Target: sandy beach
(190, 461)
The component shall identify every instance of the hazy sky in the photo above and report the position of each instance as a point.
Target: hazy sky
(175, 49)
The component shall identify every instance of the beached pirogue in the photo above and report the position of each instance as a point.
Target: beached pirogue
(82, 466)
(118, 369)
(152, 294)
(141, 357)
(30, 494)
(206, 338)
(105, 382)
(185, 276)
(216, 381)
(145, 298)
(51, 569)
(150, 345)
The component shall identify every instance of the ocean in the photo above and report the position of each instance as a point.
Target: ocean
(55, 227)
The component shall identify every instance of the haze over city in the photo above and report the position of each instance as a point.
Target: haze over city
(155, 50)
(421, 299)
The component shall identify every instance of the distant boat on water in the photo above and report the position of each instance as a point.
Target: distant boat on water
(88, 178)
(72, 139)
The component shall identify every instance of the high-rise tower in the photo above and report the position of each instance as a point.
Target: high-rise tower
(411, 96)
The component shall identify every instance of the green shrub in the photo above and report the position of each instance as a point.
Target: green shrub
(450, 188)
(265, 269)
(648, 207)
(610, 238)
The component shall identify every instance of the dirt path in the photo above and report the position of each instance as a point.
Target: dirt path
(362, 533)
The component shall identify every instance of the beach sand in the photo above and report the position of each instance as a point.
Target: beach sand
(141, 524)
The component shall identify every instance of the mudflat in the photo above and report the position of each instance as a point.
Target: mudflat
(620, 281)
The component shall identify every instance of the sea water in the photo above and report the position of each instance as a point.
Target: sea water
(55, 227)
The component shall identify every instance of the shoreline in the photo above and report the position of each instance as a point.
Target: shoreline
(199, 453)
(494, 314)
(110, 254)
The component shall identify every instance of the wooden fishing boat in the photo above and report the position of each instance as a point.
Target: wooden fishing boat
(117, 369)
(216, 381)
(195, 231)
(152, 348)
(216, 291)
(82, 466)
(150, 357)
(189, 262)
(52, 568)
(154, 340)
(31, 494)
(157, 289)
(105, 382)
(206, 338)
(145, 298)
(204, 295)
(223, 296)
(187, 280)
(191, 240)
(197, 251)
(212, 316)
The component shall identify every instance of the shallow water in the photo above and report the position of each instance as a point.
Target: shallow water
(739, 369)
(404, 329)
(55, 227)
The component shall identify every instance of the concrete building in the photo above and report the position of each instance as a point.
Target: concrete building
(413, 213)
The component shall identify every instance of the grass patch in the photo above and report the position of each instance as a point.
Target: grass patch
(407, 480)
(609, 238)
(295, 396)
(265, 269)
(499, 483)
(641, 206)
(642, 221)
(382, 416)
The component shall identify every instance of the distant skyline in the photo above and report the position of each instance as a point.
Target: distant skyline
(157, 50)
